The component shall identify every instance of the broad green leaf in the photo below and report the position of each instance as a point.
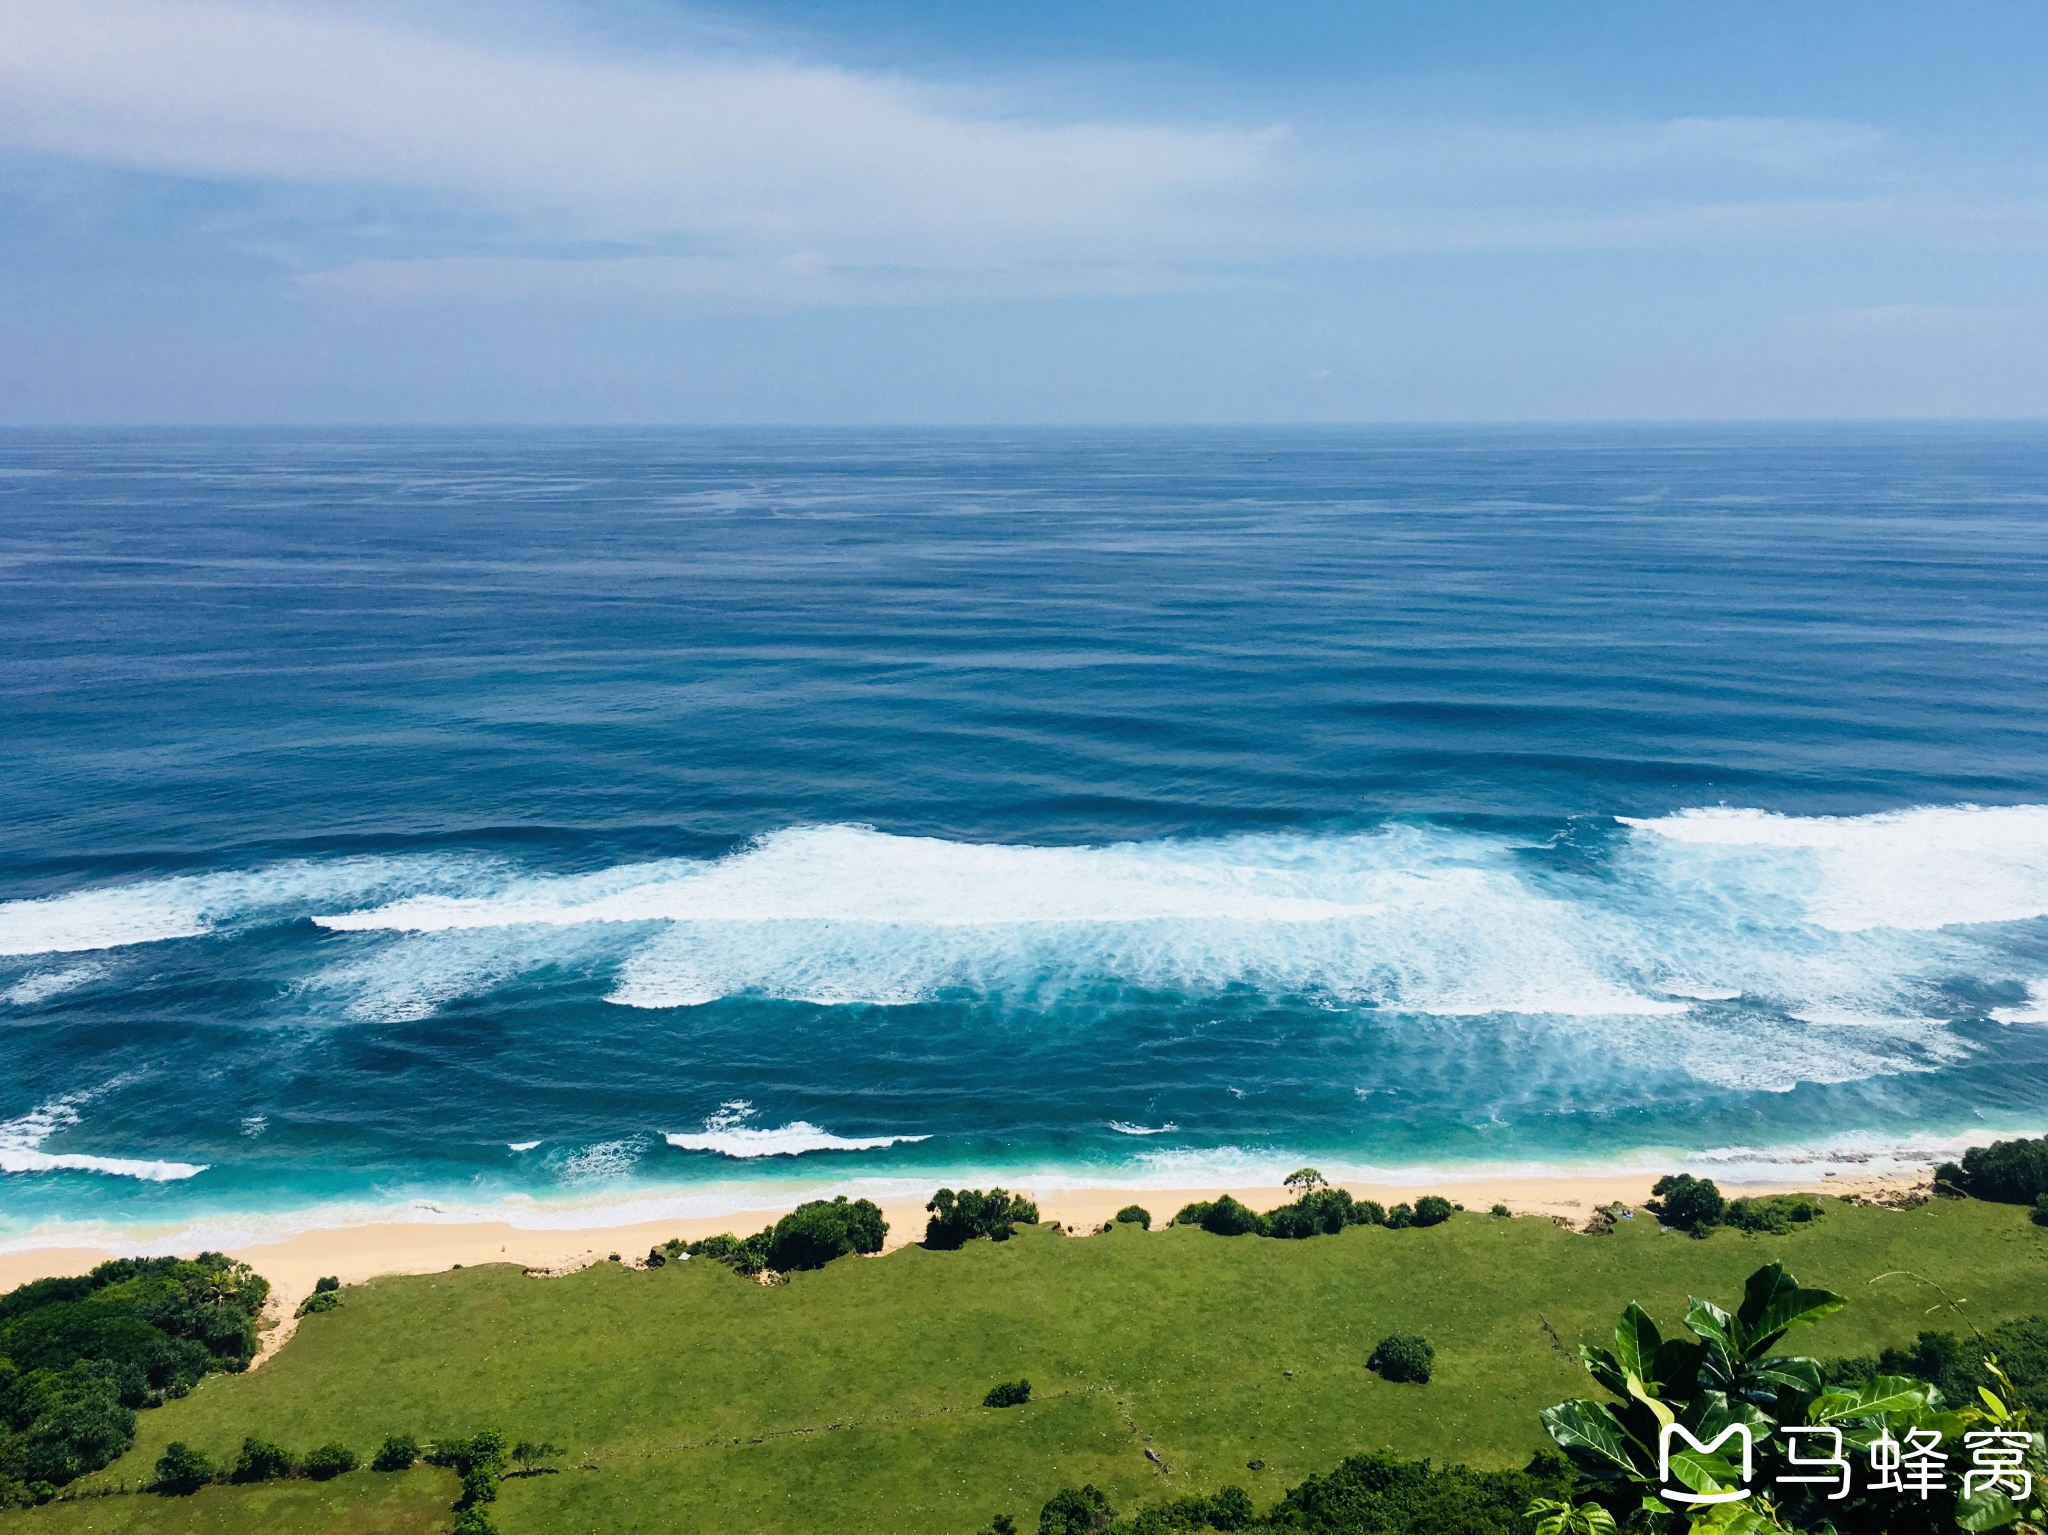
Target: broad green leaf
(1594, 1438)
(1657, 1409)
(1705, 1473)
(1785, 1373)
(1772, 1302)
(1676, 1368)
(1879, 1398)
(1993, 1405)
(1604, 1368)
(1716, 1329)
(1986, 1509)
(1596, 1520)
(1635, 1342)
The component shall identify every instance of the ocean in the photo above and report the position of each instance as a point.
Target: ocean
(573, 826)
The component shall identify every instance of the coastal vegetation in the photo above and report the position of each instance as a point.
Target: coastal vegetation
(850, 1397)
(80, 1355)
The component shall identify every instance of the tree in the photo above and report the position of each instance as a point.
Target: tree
(182, 1470)
(1404, 1358)
(1688, 1203)
(816, 1232)
(1305, 1180)
(959, 1218)
(1075, 1511)
(261, 1461)
(2007, 1172)
(532, 1455)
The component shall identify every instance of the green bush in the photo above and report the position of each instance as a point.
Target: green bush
(2005, 1172)
(531, 1455)
(397, 1453)
(1320, 1211)
(261, 1461)
(748, 1255)
(330, 1460)
(1010, 1394)
(1432, 1210)
(1776, 1214)
(56, 1425)
(182, 1470)
(326, 1285)
(1688, 1203)
(488, 1449)
(1191, 1213)
(1368, 1212)
(1955, 1366)
(2041, 1210)
(1227, 1218)
(816, 1232)
(958, 1218)
(1401, 1217)
(319, 1301)
(473, 1521)
(1402, 1357)
(1378, 1495)
(1134, 1215)
(479, 1485)
(1075, 1511)
(1501, 1212)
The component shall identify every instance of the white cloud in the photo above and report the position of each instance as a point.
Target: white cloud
(752, 154)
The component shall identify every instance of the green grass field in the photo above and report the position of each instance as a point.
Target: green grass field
(689, 1399)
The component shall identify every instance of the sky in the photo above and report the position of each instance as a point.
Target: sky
(930, 211)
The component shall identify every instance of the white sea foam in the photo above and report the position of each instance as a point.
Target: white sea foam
(1123, 1128)
(521, 1145)
(21, 1151)
(603, 1162)
(1930, 867)
(41, 985)
(192, 905)
(727, 1133)
(2033, 1010)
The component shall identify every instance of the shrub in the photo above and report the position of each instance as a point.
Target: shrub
(261, 1461)
(56, 1425)
(479, 1485)
(2006, 1172)
(2041, 1210)
(1500, 1212)
(747, 1256)
(488, 1448)
(1134, 1215)
(1317, 1212)
(472, 1521)
(1002, 1524)
(325, 1285)
(1010, 1394)
(816, 1232)
(397, 1453)
(1775, 1213)
(1955, 1367)
(319, 1301)
(1075, 1511)
(1191, 1213)
(1689, 1203)
(958, 1218)
(330, 1460)
(1380, 1494)
(182, 1470)
(1402, 1357)
(1368, 1212)
(1400, 1218)
(1227, 1218)
(1431, 1210)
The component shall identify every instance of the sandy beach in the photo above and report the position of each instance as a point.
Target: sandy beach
(354, 1254)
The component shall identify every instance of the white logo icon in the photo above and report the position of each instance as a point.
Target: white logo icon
(1685, 1494)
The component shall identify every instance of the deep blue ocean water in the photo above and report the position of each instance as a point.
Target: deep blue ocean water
(458, 816)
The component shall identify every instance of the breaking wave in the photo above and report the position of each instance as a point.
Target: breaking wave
(728, 1134)
(21, 1141)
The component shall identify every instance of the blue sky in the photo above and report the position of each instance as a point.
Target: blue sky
(272, 211)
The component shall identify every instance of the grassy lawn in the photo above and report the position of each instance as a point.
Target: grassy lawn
(690, 1399)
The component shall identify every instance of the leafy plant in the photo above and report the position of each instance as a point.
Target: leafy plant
(1561, 1516)
(397, 1453)
(1432, 1210)
(1228, 1218)
(532, 1455)
(1134, 1215)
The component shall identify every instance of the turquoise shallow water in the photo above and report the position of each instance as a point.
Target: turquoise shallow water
(603, 822)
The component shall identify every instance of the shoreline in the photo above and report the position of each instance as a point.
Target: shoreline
(357, 1253)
